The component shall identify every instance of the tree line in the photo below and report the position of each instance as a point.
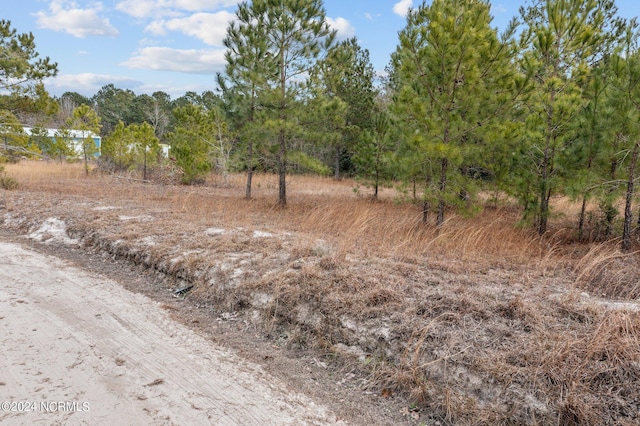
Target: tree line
(550, 106)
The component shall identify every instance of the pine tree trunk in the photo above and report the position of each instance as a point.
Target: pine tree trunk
(377, 172)
(443, 186)
(86, 160)
(282, 161)
(282, 170)
(375, 193)
(252, 110)
(545, 190)
(544, 198)
(426, 206)
(249, 169)
(628, 213)
(336, 173)
(583, 211)
(425, 212)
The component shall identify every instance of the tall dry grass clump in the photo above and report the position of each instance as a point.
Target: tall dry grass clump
(362, 227)
(35, 173)
(607, 272)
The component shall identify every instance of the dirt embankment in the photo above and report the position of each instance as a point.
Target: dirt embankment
(486, 343)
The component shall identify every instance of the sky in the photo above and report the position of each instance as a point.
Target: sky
(175, 46)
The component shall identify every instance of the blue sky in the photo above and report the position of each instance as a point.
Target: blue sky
(176, 45)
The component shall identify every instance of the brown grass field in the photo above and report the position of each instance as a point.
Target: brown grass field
(480, 322)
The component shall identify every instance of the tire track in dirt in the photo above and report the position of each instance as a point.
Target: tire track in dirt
(70, 336)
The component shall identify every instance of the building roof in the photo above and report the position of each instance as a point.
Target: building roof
(76, 134)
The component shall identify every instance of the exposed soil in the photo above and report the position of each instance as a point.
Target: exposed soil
(289, 386)
(111, 356)
(392, 335)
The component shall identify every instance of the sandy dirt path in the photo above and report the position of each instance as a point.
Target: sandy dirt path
(77, 348)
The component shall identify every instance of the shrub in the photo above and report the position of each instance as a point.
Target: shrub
(7, 182)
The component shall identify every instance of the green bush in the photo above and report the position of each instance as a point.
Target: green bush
(7, 182)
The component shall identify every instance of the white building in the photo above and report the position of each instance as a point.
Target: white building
(76, 138)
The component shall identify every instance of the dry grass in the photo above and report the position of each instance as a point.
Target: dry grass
(319, 207)
(607, 272)
(478, 322)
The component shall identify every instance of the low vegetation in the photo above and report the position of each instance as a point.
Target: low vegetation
(477, 321)
(7, 182)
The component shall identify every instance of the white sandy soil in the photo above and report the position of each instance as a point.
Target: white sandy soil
(77, 348)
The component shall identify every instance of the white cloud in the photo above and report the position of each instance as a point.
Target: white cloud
(87, 83)
(138, 8)
(200, 5)
(65, 16)
(368, 16)
(170, 8)
(342, 26)
(211, 28)
(498, 8)
(402, 7)
(156, 28)
(191, 61)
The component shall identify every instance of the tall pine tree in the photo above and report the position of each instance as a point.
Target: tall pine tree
(564, 37)
(296, 35)
(454, 77)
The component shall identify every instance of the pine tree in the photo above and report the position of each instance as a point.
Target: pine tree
(455, 77)
(565, 38)
(295, 35)
(245, 76)
(624, 96)
(21, 68)
(346, 74)
(86, 121)
(373, 151)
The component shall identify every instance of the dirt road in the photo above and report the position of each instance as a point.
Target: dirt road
(77, 348)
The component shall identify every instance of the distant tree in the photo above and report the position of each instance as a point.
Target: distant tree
(114, 105)
(190, 142)
(115, 147)
(39, 138)
(145, 144)
(34, 108)
(373, 152)
(66, 104)
(220, 147)
(323, 130)
(86, 121)
(206, 100)
(139, 109)
(60, 144)
(347, 74)
(159, 115)
(201, 140)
